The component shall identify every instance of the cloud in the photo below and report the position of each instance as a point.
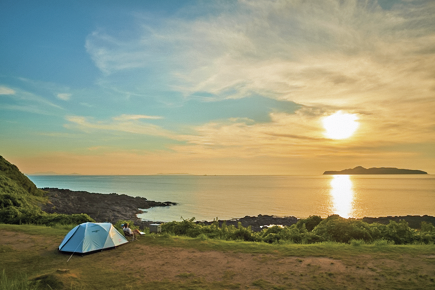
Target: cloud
(64, 97)
(299, 135)
(312, 53)
(6, 91)
(26, 101)
(125, 117)
(126, 125)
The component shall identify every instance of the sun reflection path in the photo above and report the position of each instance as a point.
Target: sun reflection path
(342, 195)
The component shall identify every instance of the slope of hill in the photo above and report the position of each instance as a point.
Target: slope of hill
(20, 199)
(11, 173)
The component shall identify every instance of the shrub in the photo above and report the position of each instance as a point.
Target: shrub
(179, 228)
(242, 233)
(400, 232)
(310, 223)
(427, 233)
(338, 229)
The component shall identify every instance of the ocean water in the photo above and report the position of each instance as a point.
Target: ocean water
(226, 197)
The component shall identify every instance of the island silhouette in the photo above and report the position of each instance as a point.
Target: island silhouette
(375, 170)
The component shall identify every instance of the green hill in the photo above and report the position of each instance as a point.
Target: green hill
(20, 200)
(12, 174)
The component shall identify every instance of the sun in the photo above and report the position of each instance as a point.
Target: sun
(340, 125)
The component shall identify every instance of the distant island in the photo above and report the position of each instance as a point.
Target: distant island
(375, 170)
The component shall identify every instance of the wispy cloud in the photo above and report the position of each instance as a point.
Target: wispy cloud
(125, 117)
(119, 124)
(22, 100)
(64, 97)
(6, 91)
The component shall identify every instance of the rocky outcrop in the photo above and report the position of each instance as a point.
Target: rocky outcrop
(101, 207)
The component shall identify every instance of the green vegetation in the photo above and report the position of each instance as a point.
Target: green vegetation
(19, 199)
(21, 181)
(20, 283)
(311, 230)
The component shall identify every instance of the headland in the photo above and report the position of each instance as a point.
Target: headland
(101, 207)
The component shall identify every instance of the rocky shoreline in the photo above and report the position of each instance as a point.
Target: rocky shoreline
(114, 207)
(101, 207)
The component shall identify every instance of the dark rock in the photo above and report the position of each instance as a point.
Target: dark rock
(101, 207)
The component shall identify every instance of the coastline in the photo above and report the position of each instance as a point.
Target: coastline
(114, 207)
(101, 207)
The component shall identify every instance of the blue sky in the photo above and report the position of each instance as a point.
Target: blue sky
(223, 87)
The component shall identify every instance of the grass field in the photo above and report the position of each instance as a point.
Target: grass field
(171, 262)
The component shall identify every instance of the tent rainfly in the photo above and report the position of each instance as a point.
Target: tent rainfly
(89, 237)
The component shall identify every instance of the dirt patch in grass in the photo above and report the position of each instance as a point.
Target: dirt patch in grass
(160, 263)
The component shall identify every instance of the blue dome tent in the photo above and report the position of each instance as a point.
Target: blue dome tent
(89, 237)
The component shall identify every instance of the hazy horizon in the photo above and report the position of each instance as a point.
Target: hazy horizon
(217, 87)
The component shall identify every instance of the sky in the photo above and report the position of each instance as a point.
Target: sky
(216, 87)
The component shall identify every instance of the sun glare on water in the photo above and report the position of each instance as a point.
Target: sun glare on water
(342, 195)
(340, 125)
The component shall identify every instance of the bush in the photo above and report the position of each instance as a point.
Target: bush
(338, 229)
(310, 223)
(426, 234)
(180, 228)
(400, 232)
(242, 234)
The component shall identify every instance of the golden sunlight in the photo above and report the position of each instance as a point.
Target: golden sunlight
(342, 195)
(340, 125)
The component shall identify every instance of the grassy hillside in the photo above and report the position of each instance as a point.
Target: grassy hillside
(19, 199)
(12, 175)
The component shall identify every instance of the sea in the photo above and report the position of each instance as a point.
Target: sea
(228, 197)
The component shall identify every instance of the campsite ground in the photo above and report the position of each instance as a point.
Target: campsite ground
(166, 262)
